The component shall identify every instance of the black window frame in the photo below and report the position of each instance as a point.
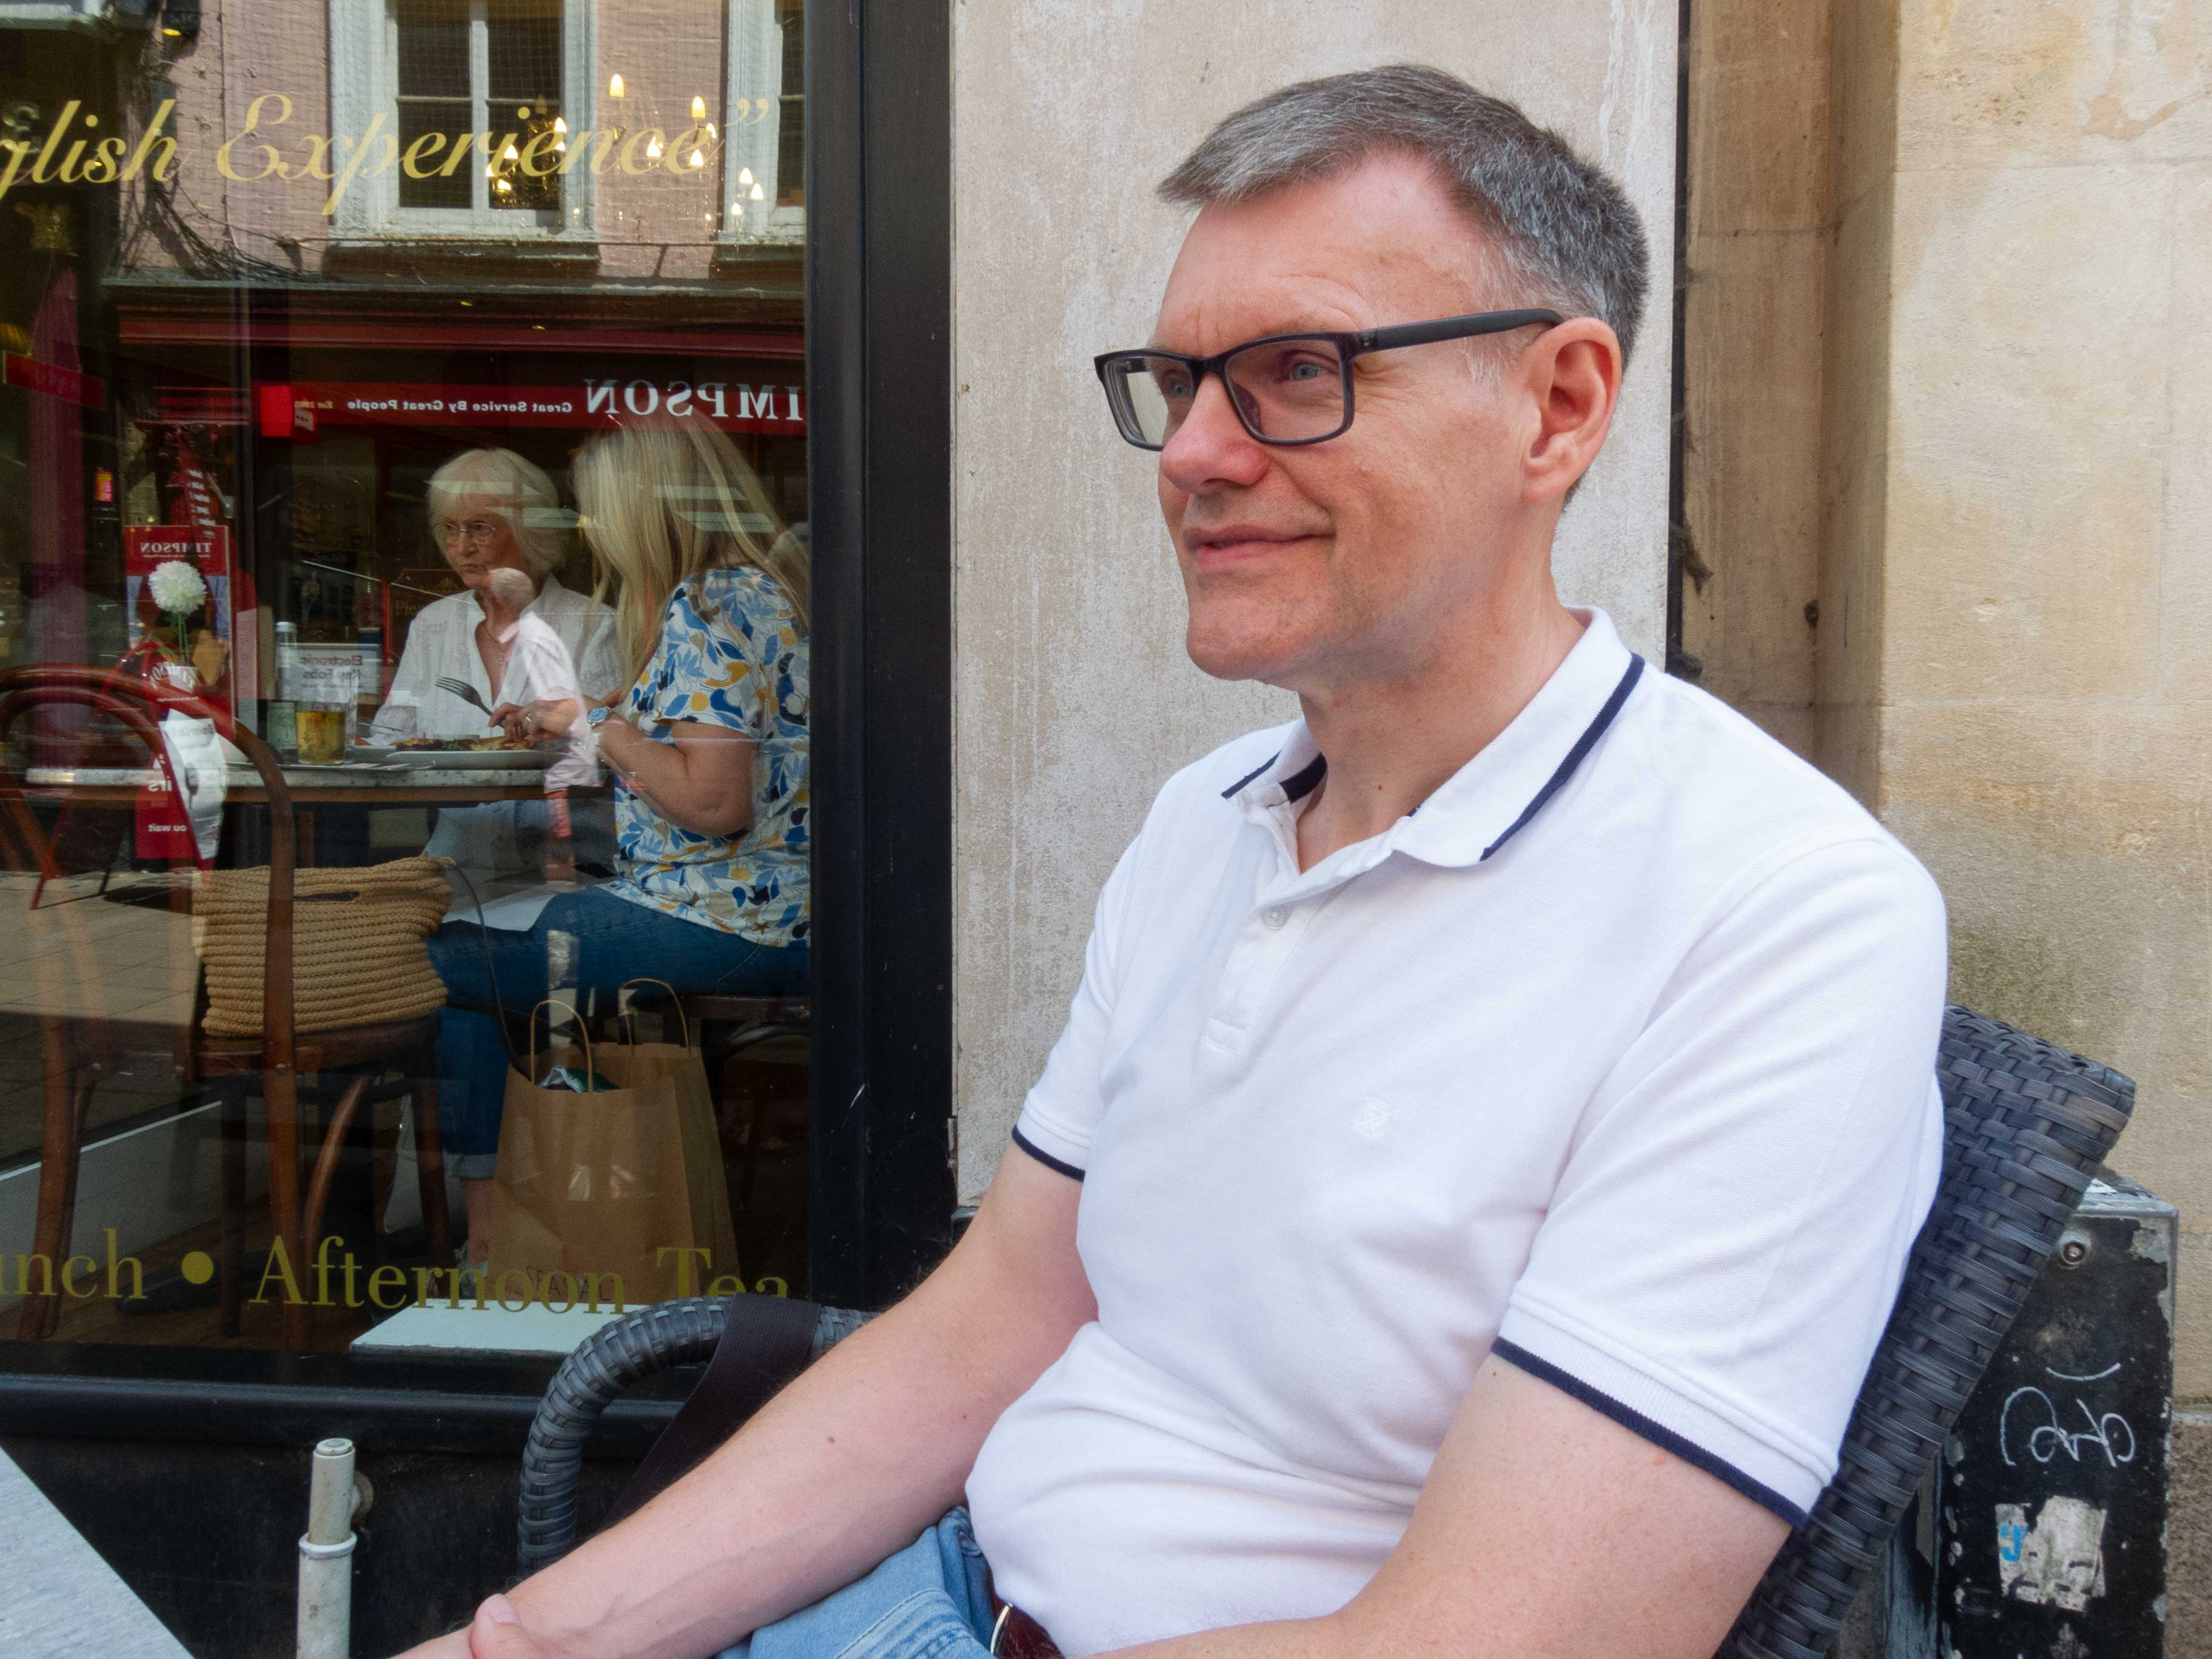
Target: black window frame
(879, 377)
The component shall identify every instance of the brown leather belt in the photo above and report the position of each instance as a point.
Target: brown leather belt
(1015, 1635)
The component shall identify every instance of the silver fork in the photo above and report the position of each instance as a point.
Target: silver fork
(464, 691)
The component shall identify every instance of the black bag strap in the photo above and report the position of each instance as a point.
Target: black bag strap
(766, 1341)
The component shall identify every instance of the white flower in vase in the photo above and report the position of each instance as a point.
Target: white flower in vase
(178, 586)
(178, 591)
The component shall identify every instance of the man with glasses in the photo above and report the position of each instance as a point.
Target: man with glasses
(1486, 1140)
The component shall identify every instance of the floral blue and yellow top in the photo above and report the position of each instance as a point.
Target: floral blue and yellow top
(732, 654)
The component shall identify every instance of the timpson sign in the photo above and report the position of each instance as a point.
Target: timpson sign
(299, 410)
(267, 149)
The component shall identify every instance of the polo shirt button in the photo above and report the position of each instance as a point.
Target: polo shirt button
(1275, 917)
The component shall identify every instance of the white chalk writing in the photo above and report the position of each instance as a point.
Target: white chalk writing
(2046, 1433)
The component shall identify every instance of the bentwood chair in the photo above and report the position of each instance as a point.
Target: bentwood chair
(2026, 1126)
(78, 1033)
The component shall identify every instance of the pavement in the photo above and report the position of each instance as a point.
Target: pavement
(63, 1600)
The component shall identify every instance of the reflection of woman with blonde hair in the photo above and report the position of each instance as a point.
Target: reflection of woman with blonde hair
(709, 748)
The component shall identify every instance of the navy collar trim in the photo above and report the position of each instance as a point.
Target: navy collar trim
(1576, 755)
(1307, 778)
(1296, 788)
(1229, 793)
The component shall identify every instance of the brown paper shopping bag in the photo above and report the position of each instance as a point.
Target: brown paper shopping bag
(613, 1195)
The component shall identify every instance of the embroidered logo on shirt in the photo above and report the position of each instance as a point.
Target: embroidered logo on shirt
(1371, 1116)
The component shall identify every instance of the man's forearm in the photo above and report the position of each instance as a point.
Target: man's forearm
(845, 1466)
(1281, 1638)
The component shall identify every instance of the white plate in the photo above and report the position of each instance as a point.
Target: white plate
(370, 751)
(476, 760)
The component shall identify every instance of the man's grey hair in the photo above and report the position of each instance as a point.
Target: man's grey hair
(1564, 232)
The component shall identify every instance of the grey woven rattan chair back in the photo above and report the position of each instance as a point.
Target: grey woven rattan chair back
(2026, 1126)
(614, 1358)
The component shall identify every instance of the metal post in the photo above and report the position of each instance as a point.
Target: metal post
(327, 1555)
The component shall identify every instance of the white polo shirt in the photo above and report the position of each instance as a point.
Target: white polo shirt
(1614, 1059)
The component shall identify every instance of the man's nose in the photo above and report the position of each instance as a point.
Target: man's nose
(1212, 446)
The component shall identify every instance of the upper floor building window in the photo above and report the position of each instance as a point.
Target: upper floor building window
(482, 97)
(468, 67)
(764, 162)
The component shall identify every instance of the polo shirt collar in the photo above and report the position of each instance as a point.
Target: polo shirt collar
(1498, 794)
(1284, 779)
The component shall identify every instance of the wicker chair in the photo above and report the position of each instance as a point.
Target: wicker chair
(77, 1041)
(2026, 1125)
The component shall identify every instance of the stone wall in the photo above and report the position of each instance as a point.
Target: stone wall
(1074, 698)
(2004, 249)
(1756, 250)
(2047, 727)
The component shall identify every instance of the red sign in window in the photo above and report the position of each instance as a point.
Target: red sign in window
(53, 380)
(299, 410)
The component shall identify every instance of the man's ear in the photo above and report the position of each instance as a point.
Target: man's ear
(1572, 373)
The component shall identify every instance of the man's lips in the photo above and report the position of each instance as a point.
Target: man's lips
(1235, 543)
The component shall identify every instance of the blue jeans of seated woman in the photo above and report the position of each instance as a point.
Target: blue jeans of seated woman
(583, 940)
(931, 1600)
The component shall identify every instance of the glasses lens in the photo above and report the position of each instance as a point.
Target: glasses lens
(1150, 395)
(1288, 389)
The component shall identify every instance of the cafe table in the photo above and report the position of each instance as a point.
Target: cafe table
(351, 784)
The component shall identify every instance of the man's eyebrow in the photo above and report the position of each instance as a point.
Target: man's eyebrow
(1297, 325)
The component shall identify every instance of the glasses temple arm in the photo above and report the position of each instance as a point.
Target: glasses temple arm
(1451, 328)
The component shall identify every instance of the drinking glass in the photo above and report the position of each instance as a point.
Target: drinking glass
(326, 711)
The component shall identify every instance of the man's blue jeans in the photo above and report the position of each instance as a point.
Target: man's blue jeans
(931, 1600)
(581, 940)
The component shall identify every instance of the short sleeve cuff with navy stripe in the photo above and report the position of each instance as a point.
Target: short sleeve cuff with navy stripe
(1050, 1145)
(1660, 1412)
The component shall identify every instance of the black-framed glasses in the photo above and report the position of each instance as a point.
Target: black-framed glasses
(1287, 389)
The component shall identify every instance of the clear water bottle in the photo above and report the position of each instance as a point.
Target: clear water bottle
(370, 639)
(284, 707)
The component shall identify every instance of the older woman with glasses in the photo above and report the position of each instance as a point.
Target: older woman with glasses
(499, 523)
(491, 510)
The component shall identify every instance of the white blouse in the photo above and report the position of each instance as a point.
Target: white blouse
(441, 643)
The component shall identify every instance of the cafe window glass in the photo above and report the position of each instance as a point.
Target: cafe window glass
(371, 370)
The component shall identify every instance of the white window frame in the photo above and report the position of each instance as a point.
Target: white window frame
(755, 61)
(365, 80)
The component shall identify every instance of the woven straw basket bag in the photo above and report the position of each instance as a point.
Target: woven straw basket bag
(357, 951)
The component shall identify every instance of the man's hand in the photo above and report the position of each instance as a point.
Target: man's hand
(497, 1633)
(454, 1646)
(872, 1443)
